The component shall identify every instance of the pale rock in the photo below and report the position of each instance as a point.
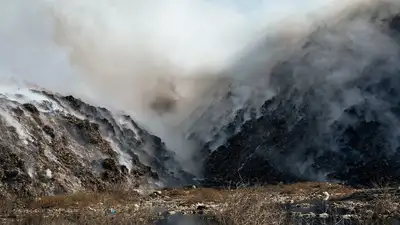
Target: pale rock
(326, 195)
(48, 174)
(324, 215)
(347, 217)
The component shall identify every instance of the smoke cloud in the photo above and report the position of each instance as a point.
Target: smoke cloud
(158, 55)
(340, 76)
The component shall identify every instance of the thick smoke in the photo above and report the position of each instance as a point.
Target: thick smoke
(335, 98)
(161, 56)
(334, 50)
(161, 61)
(166, 62)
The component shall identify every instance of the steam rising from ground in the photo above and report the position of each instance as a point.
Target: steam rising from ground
(161, 60)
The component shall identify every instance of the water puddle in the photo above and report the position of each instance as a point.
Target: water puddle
(327, 215)
(180, 219)
(340, 221)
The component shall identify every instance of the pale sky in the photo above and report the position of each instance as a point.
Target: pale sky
(195, 31)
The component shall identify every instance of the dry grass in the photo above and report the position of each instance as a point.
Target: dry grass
(313, 188)
(9, 204)
(81, 200)
(80, 208)
(198, 195)
(85, 209)
(219, 195)
(6, 206)
(66, 201)
(386, 202)
(250, 206)
(84, 218)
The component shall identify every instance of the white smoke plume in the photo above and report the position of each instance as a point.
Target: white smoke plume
(161, 55)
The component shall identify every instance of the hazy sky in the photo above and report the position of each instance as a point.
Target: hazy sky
(195, 31)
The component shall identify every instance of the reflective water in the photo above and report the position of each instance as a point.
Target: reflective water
(179, 219)
(340, 221)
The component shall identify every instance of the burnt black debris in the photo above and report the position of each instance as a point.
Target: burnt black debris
(297, 137)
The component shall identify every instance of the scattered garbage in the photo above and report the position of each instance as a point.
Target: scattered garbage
(171, 212)
(113, 212)
(326, 196)
(156, 194)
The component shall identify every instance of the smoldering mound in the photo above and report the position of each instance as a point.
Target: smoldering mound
(332, 114)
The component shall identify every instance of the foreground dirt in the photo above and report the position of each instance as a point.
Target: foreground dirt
(280, 204)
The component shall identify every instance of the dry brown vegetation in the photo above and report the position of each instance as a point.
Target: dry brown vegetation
(81, 200)
(77, 208)
(241, 206)
(250, 206)
(83, 218)
(66, 201)
(6, 206)
(312, 188)
(268, 205)
(197, 195)
(387, 202)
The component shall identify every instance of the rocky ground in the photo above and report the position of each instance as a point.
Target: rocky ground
(279, 204)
